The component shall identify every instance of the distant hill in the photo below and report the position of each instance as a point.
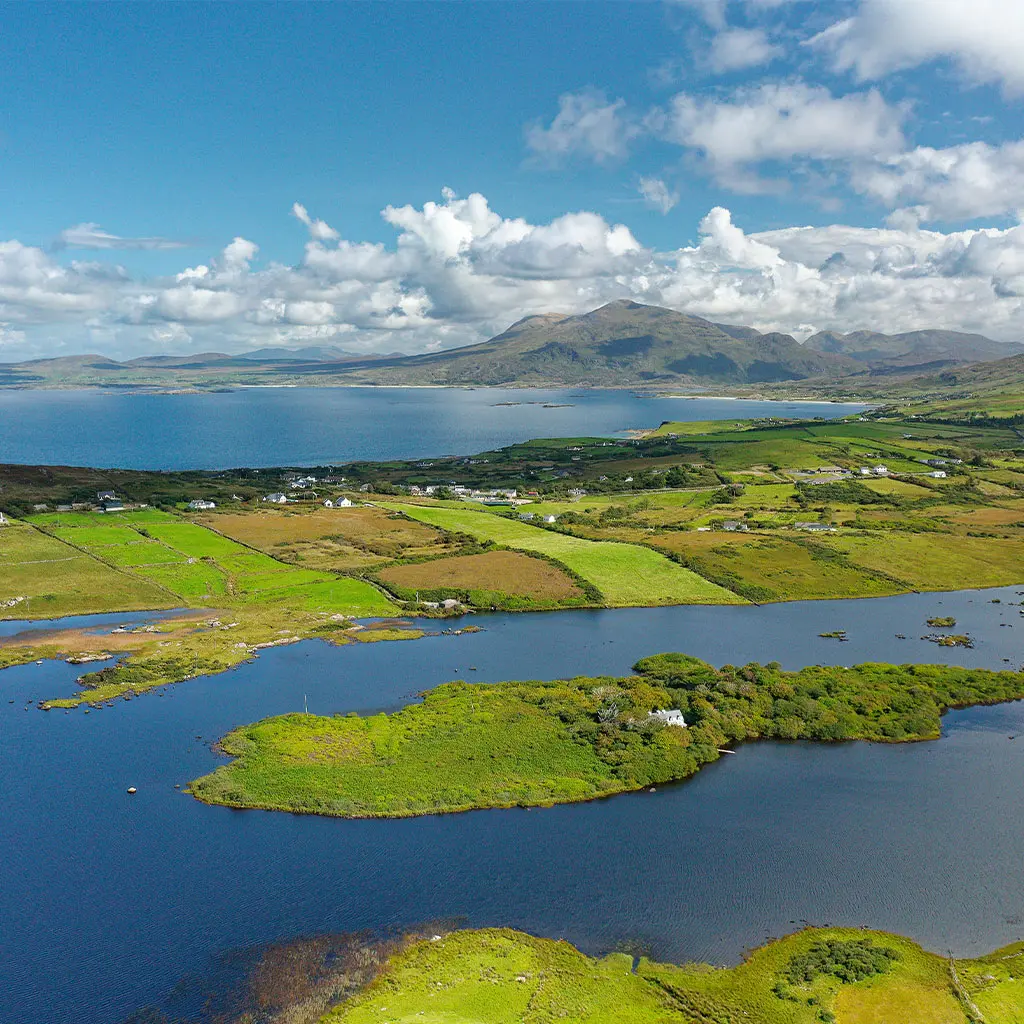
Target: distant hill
(623, 342)
(913, 349)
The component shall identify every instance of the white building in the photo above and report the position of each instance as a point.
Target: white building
(881, 471)
(338, 503)
(672, 717)
(200, 505)
(939, 474)
(276, 499)
(549, 519)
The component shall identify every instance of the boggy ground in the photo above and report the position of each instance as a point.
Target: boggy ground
(472, 746)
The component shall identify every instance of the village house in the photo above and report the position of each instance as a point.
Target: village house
(939, 474)
(113, 505)
(671, 717)
(549, 519)
(276, 499)
(338, 503)
(106, 496)
(200, 505)
(734, 525)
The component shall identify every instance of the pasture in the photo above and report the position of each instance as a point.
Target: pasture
(625, 574)
(42, 577)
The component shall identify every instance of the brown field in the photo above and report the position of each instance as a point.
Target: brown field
(343, 539)
(990, 517)
(509, 572)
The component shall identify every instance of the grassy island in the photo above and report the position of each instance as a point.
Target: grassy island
(816, 976)
(470, 746)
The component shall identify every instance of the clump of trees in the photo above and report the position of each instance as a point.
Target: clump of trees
(849, 960)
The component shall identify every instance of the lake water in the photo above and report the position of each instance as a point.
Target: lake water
(108, 900)
(325, 426)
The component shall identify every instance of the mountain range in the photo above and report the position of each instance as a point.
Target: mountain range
(623, 343)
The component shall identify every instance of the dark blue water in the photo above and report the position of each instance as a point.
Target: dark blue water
(107, 900)
(324, 426)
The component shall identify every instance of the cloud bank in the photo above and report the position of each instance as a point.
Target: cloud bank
(459, 272)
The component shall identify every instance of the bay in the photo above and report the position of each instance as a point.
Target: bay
(260, 427)
(107, 900)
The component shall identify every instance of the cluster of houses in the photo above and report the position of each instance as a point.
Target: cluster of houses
(282, 499)
(494, 496)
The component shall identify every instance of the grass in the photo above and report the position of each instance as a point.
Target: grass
(537, 743)
(772, 568)
(345, 539)
(159, 561)
(502, 574)
(42, 577)
(945, 563)
(625, 574)
(499, 976)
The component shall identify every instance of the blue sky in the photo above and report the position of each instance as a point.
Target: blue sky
(151, 155)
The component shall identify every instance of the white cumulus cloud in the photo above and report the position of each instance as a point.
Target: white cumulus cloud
(782, 122)
(458, 271)
(587, 124)
(657, 194)
(984, 38)
(737, 48)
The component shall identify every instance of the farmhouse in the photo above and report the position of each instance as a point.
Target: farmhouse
(549, 519)
(200, 505)
(276, 499)
(815, 527)
(338, 503)
(939, 474)
(106, 496)
(672, 717)
(113, 505)
(735, 526)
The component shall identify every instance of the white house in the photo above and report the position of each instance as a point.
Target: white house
(881, 471)
(671, 717)
(200, 505)
(338, 503)
(276, 499)
(549, 519)
(864, 471)
(939, 474)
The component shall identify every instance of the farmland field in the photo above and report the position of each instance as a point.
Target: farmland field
(626, 574)
(204, 568)
(342, 539)
(502, 572)
(54, 579)
(927, 564)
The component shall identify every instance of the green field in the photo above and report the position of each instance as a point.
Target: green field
(841, 975)
(536, 743)
(202, 567)
(42, 577)
(625, 574)
(94, 562)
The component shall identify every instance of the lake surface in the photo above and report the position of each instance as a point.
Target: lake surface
(108, 900)
(324, 426)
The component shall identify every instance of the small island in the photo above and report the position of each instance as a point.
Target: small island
(469, 746)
